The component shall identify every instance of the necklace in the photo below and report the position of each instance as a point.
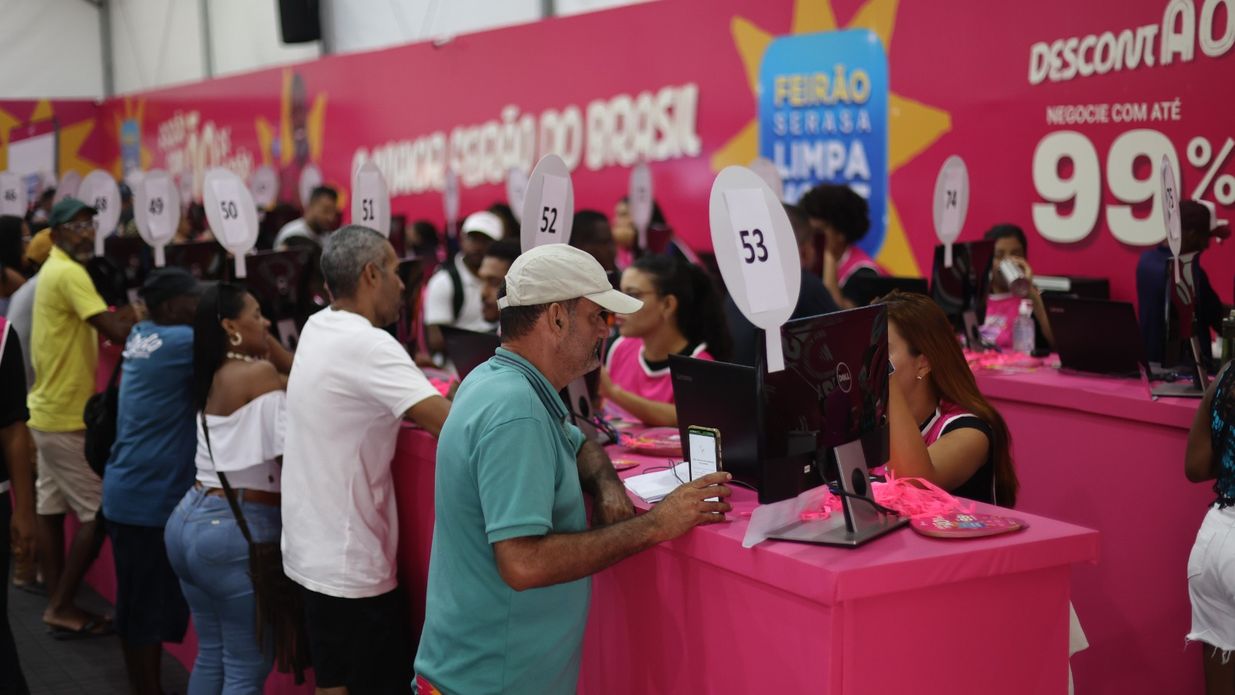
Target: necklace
(241, 356)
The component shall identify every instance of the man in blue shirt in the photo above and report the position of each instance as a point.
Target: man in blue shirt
(151, 467)
(1198, 225)
(512, 552)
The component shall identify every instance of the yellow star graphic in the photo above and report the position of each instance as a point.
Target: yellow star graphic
(912, 125)
(71, 139)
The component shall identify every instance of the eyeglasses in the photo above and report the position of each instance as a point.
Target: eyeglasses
(607, 317)
(81, 226)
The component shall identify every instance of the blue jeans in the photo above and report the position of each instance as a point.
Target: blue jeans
(210, 556)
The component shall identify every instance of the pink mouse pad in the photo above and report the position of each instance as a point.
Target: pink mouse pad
(961, 525)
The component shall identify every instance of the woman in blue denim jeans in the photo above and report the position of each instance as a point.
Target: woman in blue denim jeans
(239, 382)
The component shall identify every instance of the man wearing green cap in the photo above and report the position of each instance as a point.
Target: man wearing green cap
(65, 352)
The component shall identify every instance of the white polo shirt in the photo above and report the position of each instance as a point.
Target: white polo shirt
(439, 299)
(350, 385)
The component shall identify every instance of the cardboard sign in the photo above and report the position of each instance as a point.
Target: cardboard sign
(641, 201)
(67, 188)
(156, 209)
(951, 204)
(231, 212)
(99, 191)
(549, 206)
(1170, 211)
(370, 199)
(264, 185)
(12, 194)
(310, 178)
(770, 175)
(757, 253)
(516, 188)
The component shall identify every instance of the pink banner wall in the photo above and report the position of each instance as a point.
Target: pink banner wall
(1088, 98)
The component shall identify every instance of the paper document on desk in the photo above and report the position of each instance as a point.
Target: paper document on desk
(654, 487)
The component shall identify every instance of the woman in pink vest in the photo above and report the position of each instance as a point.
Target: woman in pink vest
(1002, 307)
(843, 217)
(942, 428)
(681, 315)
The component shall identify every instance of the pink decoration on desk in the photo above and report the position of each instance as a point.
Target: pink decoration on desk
(1008, 361)
(911, 497)
(657, 441)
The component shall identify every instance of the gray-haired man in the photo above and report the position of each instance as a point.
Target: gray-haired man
(351, 385)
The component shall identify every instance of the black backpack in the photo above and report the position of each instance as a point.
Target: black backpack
(100, 416)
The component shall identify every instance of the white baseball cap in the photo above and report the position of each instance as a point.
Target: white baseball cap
(485, 223)
(558, 273)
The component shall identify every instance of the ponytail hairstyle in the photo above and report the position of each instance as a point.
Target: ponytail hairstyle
(700, 315)
(927, 331)
(220, 301)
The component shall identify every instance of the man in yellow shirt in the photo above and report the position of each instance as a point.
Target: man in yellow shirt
(67, 313)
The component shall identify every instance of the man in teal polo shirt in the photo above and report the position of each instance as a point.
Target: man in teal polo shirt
(512, 552)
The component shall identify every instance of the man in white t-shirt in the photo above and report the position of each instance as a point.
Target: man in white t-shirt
(320, 217)
(351, 385)
(454, 295)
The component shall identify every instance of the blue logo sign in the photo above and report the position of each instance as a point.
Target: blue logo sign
(823, 117)
(130, 145)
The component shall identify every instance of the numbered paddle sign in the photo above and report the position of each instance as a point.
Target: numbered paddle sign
(450, 200)
(264, 184)
(67, 188)
(99, 191)
(549, 206)
(370, 199)
(757, 253)
(310, 178)
(156, 209)
(231, 212)
(516, 188)
(951, 204)
(770, 175)
(12, 194)
(640, 200)
(1170, 211)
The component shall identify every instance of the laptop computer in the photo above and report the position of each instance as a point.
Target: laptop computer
(1096, 336)
(468, 349)
(721, 396)
(864, 289)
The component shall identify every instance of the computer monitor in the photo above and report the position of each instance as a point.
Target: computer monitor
(864, 289)
(277, 281)
(398, 235)
(130, 256)
(1096, 336)
(204, 259)
(824, 416)
(723, 397)
(960, 290)
(1186, 340)
(468, 350)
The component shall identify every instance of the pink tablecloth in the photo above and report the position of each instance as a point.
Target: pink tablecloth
(701, 614)
(1100, 453)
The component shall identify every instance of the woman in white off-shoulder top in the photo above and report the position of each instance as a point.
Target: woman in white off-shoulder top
(240, 377)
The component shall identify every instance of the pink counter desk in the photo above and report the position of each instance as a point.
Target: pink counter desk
(904, 614)
(1099, 453)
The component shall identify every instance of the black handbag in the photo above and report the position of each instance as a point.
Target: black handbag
(280, 603)
(100, 418)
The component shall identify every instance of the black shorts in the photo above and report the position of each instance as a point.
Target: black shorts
(362, 644)
(149, 605)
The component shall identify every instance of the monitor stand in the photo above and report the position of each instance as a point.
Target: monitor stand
(861, 521)
(1200, 380)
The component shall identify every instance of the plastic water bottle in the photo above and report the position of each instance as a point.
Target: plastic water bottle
(1023, 329)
